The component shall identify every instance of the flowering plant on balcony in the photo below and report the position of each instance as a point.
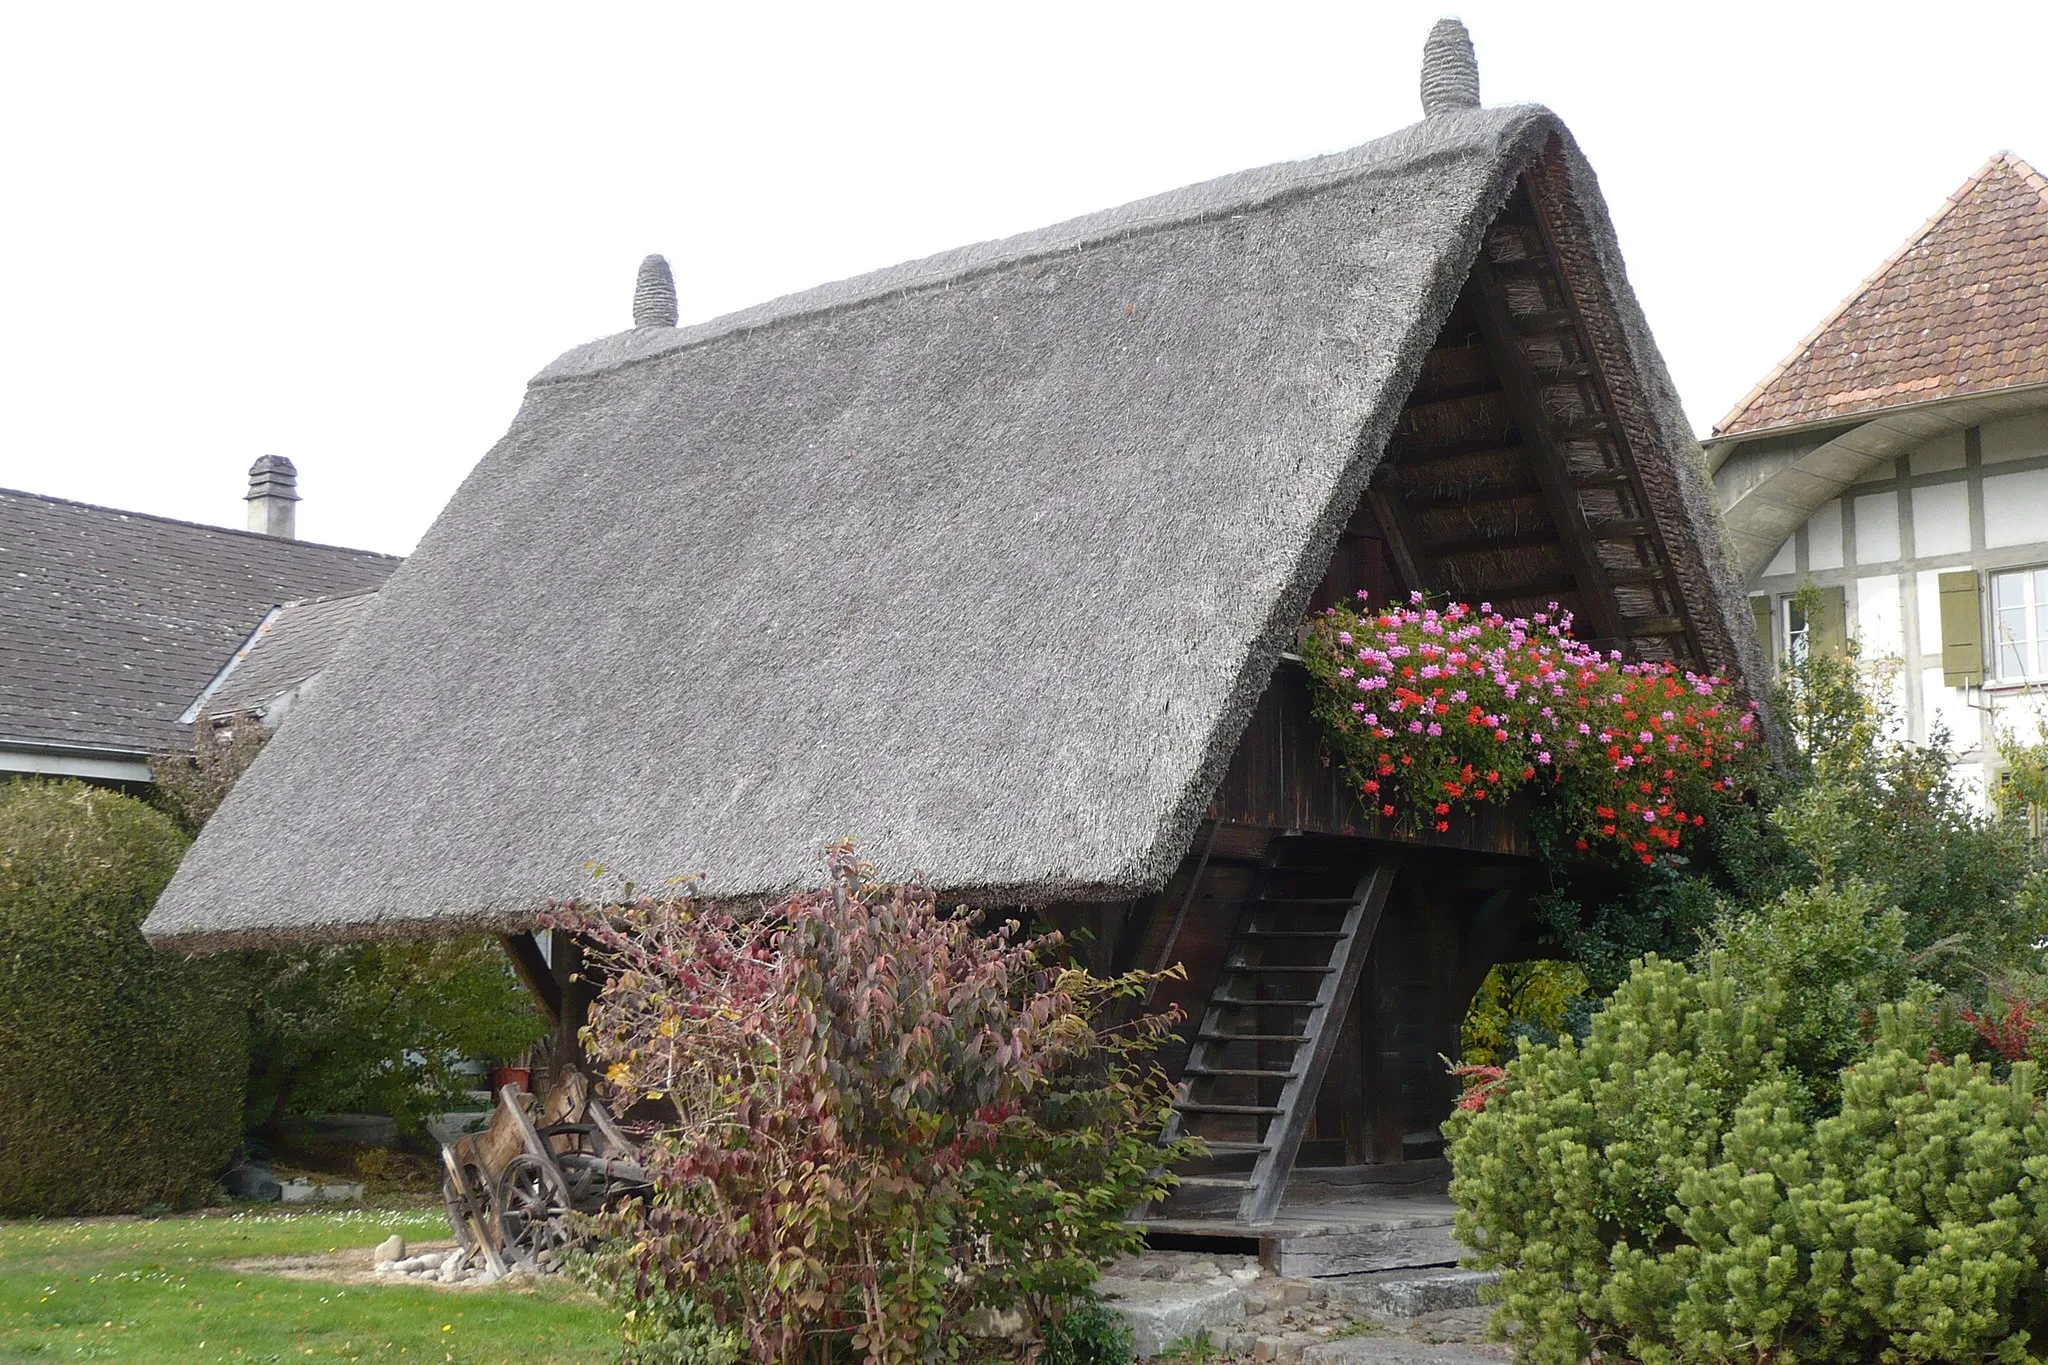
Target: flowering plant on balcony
(1437, 712)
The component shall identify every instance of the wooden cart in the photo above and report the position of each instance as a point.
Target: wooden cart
(511, 1187)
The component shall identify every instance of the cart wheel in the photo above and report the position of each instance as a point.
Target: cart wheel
(591, 1181)
(533, 1207)
(466, 1206)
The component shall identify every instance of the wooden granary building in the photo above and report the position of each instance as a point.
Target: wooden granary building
(997, 561)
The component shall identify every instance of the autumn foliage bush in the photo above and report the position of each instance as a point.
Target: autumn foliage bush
(1437, 712)
(888, 1123)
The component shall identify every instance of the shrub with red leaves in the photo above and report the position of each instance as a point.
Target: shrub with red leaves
(887, 1117)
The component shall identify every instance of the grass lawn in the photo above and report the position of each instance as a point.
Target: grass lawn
(160, 1291)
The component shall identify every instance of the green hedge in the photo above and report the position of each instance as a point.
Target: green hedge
(121, 1087)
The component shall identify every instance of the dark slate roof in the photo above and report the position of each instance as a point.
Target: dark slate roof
(112, 622)
(983, 559)
(291, 647)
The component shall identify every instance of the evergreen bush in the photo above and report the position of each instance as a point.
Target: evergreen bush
(1672, 1189)
(122, 1085)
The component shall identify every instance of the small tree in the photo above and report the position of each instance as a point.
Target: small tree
(378, 1027)
(885, 1117)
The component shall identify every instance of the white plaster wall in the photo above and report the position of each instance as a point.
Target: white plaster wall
(1927, 602)
(2015, 508)
(1824, 538)
(1950, 706)
(1941, 520)
(1938, 456)
(2016, 438)
(1880, 616)
(1877, 528)
(1976, 500)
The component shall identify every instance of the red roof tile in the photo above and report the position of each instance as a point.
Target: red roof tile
(1960, 309)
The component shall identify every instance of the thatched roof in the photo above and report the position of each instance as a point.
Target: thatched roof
(983, 559)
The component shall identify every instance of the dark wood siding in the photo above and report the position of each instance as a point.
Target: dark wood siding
(1284, 776)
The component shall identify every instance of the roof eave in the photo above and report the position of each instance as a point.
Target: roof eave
(1731, 440)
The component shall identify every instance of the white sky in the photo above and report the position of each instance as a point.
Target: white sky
(349, 233)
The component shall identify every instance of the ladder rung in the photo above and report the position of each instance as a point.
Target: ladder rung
(1302, 900)
(1276, 968)
(1267, 1004)
(1190, 1107)
(1294, 933)
(1195, 1069)
(1215, 1182)
(1253, 1037)
(1217, 1148)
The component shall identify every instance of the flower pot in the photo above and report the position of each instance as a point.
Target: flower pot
(502, 1076)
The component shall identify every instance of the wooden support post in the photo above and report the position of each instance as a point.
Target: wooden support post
(1383, 1060)
(532, 966)
(1347, 1078)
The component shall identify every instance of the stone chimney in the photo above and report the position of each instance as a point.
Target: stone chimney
(273, 491)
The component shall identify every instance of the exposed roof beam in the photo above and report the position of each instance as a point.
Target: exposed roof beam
(1497, 327)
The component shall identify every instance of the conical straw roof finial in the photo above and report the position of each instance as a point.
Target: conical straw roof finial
(654, 294)
(1450, 70)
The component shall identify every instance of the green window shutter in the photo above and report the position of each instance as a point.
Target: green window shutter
(1962, 630)
(1760, 611)
(1830, 624)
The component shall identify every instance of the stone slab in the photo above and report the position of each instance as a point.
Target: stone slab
(1392, 1351)
(1397, 1295)
(1161, 1312)
(1352, 1253)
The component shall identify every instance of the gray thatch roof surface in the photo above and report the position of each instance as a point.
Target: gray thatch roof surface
(982, 559)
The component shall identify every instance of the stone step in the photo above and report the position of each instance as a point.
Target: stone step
(1398, 1295)
(1163, 1312)
(1393, 1351)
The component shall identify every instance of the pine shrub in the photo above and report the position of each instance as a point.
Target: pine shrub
(122, 1085)
(1671, 1189)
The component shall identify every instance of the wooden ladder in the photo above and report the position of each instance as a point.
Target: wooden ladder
(1271, 1024)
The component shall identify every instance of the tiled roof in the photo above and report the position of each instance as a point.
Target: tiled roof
(290, 647)
(1962, 308)
(112, 622)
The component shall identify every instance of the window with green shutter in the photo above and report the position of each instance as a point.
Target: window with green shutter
(1962, 630)
(1760, 611)
(1830, 624)
(1825, 628)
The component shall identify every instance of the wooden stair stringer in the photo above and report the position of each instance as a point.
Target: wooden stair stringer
(1298, 1093)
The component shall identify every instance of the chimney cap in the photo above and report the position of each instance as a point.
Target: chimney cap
(1450, 70)
(654, 294)
(273, 488)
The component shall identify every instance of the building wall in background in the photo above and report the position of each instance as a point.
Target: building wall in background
(1973, 503)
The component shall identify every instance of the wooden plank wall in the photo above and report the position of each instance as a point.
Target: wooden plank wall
(1284, 776)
